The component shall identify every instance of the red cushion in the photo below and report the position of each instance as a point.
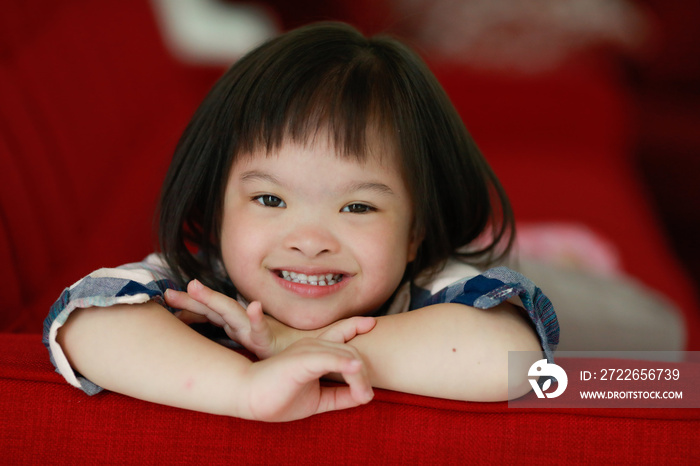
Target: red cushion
(91, 106)
(47, 421)
(560, 142)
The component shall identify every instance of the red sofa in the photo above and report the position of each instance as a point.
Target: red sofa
(91, 105)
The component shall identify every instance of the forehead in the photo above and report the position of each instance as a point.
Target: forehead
(321, 169)
(377, 148)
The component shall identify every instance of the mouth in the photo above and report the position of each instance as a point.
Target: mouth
(327, 279)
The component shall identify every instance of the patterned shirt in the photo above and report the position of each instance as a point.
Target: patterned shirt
(146, 281)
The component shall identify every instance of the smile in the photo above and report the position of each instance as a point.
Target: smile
(314, 280)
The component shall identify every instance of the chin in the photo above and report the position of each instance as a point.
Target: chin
(301, 322)
(306, 324)
(310, 319)
(307, 316)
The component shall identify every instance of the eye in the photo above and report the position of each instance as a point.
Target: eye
(358, 208)
(268, 200)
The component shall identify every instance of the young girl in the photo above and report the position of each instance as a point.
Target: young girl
(325, 187)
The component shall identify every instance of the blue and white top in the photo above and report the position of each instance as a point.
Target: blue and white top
(144, 281)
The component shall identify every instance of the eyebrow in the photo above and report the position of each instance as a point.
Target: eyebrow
(379, 188)
(254, 175)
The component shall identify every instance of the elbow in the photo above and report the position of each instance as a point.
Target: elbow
(517, 349)
(521, 355)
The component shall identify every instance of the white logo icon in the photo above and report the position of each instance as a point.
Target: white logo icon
(542, 368)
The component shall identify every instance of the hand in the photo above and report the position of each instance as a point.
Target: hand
(249, 327)
(259, 333)
(286, 387)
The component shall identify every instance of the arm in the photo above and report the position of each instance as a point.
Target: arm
(144, 352)
(449, 351)
(445, 350)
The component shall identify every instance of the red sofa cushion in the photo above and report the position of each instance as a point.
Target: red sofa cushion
(91, 106)
(561, 144)
(47, 421)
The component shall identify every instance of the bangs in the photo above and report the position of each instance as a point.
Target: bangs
(333, 89)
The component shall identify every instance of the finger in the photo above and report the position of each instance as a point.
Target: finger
(175, 298)
(217, 306)
(260, 331)
(189, 307)
(318, 358)
(347, 329)
(336, 398)
(358, 392)
(190, 318)
(358, 382)
(322, 358)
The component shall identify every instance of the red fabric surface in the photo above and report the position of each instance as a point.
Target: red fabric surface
(46, 421)
(560, 142)
(91, 106)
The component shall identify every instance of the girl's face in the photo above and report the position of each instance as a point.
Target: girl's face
(315, 236)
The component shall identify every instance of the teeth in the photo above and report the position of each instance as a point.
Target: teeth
(315, 280)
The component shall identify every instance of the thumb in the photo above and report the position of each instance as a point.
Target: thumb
(347, 329)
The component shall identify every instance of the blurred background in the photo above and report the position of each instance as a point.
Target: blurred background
(588, 110)
(654, 44)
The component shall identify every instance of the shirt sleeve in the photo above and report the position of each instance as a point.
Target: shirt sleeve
(492, 288)
(128, 284)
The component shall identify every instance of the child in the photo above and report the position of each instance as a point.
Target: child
(325, 187)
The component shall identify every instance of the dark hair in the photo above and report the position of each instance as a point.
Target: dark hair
(329, 75)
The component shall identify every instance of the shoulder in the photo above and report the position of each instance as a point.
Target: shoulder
(150, 276)
(410, 295)
(454, 271)
(132, 283)
(490, 289)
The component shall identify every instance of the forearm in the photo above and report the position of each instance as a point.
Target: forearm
(448, 351)
(144, 352)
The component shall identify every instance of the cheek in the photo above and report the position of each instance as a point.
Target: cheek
(384, 254)
(237, 248)
(387, 267)
(229, 240)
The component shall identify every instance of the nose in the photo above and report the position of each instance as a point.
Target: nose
(312, 240)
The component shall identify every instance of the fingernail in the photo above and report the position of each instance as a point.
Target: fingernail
(196, 284)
